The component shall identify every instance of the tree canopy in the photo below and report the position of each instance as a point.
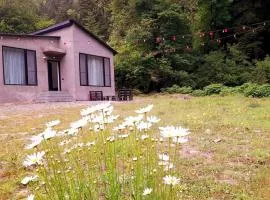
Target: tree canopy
(146, 35)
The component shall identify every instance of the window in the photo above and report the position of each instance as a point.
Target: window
(94, 71)
(19, 66)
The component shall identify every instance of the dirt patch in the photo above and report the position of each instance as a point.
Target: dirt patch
(191, 152)
(228, 177)
(20, 108)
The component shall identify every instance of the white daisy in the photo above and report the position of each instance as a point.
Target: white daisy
(131, 120)
(34, 159)
(171, 180)
(143, 126)
(134, 158)
(88, 111)
(110, 119)
(123, 136)
(147, 191)
(48, 133)
(153, 119)
(143, 137)
(80, 123)
(28, 179)
(36, 140)
(72, 131)
(171, 131)
(107, 111)
(53, 123)
(89, 144)
(102, 106)
(110, 139)
(145, 109)
(119, 127)
(164, 157)
(30, 197)
(99, 119)
(168, 166)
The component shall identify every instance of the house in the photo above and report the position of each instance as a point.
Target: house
(60, 63)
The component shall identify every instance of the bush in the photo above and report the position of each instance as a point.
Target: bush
(198, 93)
(213, 89)
(261, 74)
(255, 90)
(229, 91)
(177, 89)
(241, 89)
(247, 89)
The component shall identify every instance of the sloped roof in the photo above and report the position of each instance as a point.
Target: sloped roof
(29, 36)
(68, 23)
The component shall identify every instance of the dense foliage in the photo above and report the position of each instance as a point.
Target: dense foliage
(136, 28)
(247, 89)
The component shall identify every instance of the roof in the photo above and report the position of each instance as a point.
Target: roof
(29, 36)
(68, 23)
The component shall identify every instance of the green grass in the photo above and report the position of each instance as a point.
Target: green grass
(227, 157)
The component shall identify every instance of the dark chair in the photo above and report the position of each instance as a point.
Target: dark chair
(125, 95)
(96, 95)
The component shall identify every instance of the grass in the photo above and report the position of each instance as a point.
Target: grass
(228, 156)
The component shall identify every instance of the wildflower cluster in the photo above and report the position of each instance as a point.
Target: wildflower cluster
(99, 157)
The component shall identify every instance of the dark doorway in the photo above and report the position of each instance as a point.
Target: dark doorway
(54, 76)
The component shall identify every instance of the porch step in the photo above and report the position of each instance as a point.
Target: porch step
(54, 96)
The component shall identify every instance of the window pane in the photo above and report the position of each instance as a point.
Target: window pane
(83, 78)
(95, 71)
(32, 78)
(83, 70)
(107, 72)
(14, 66)
(31, 68)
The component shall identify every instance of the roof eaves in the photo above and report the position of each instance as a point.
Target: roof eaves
(70, 23)
(52, 28)
(29, 36)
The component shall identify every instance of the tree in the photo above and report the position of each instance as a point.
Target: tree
(21, 17)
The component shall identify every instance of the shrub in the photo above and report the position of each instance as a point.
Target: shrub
(228, 91)
(242, 88)
(213, 89)
(261, 73)
(255, 90)
(198, 93)
(177, 89)
(247, 89)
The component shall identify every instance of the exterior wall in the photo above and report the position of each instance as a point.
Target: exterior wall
(10, 93)
(83, 43)
(67, 62)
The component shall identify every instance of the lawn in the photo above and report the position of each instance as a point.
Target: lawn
(227, 156)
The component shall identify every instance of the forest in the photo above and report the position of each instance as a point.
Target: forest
(164, 43)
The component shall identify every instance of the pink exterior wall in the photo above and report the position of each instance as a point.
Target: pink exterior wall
(10, 93)
(83, 43)
(73, 41)
(67, 62)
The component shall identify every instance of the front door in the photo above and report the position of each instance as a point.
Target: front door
(54, 76)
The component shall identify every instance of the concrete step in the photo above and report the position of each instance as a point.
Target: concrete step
(54, 96)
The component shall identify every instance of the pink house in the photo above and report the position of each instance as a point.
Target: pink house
(60, 63)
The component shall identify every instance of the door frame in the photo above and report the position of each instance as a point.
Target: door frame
(59, 74)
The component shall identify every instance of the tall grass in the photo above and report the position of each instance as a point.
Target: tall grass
(100, 158)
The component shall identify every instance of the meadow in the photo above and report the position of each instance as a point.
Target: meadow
(224, 154)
